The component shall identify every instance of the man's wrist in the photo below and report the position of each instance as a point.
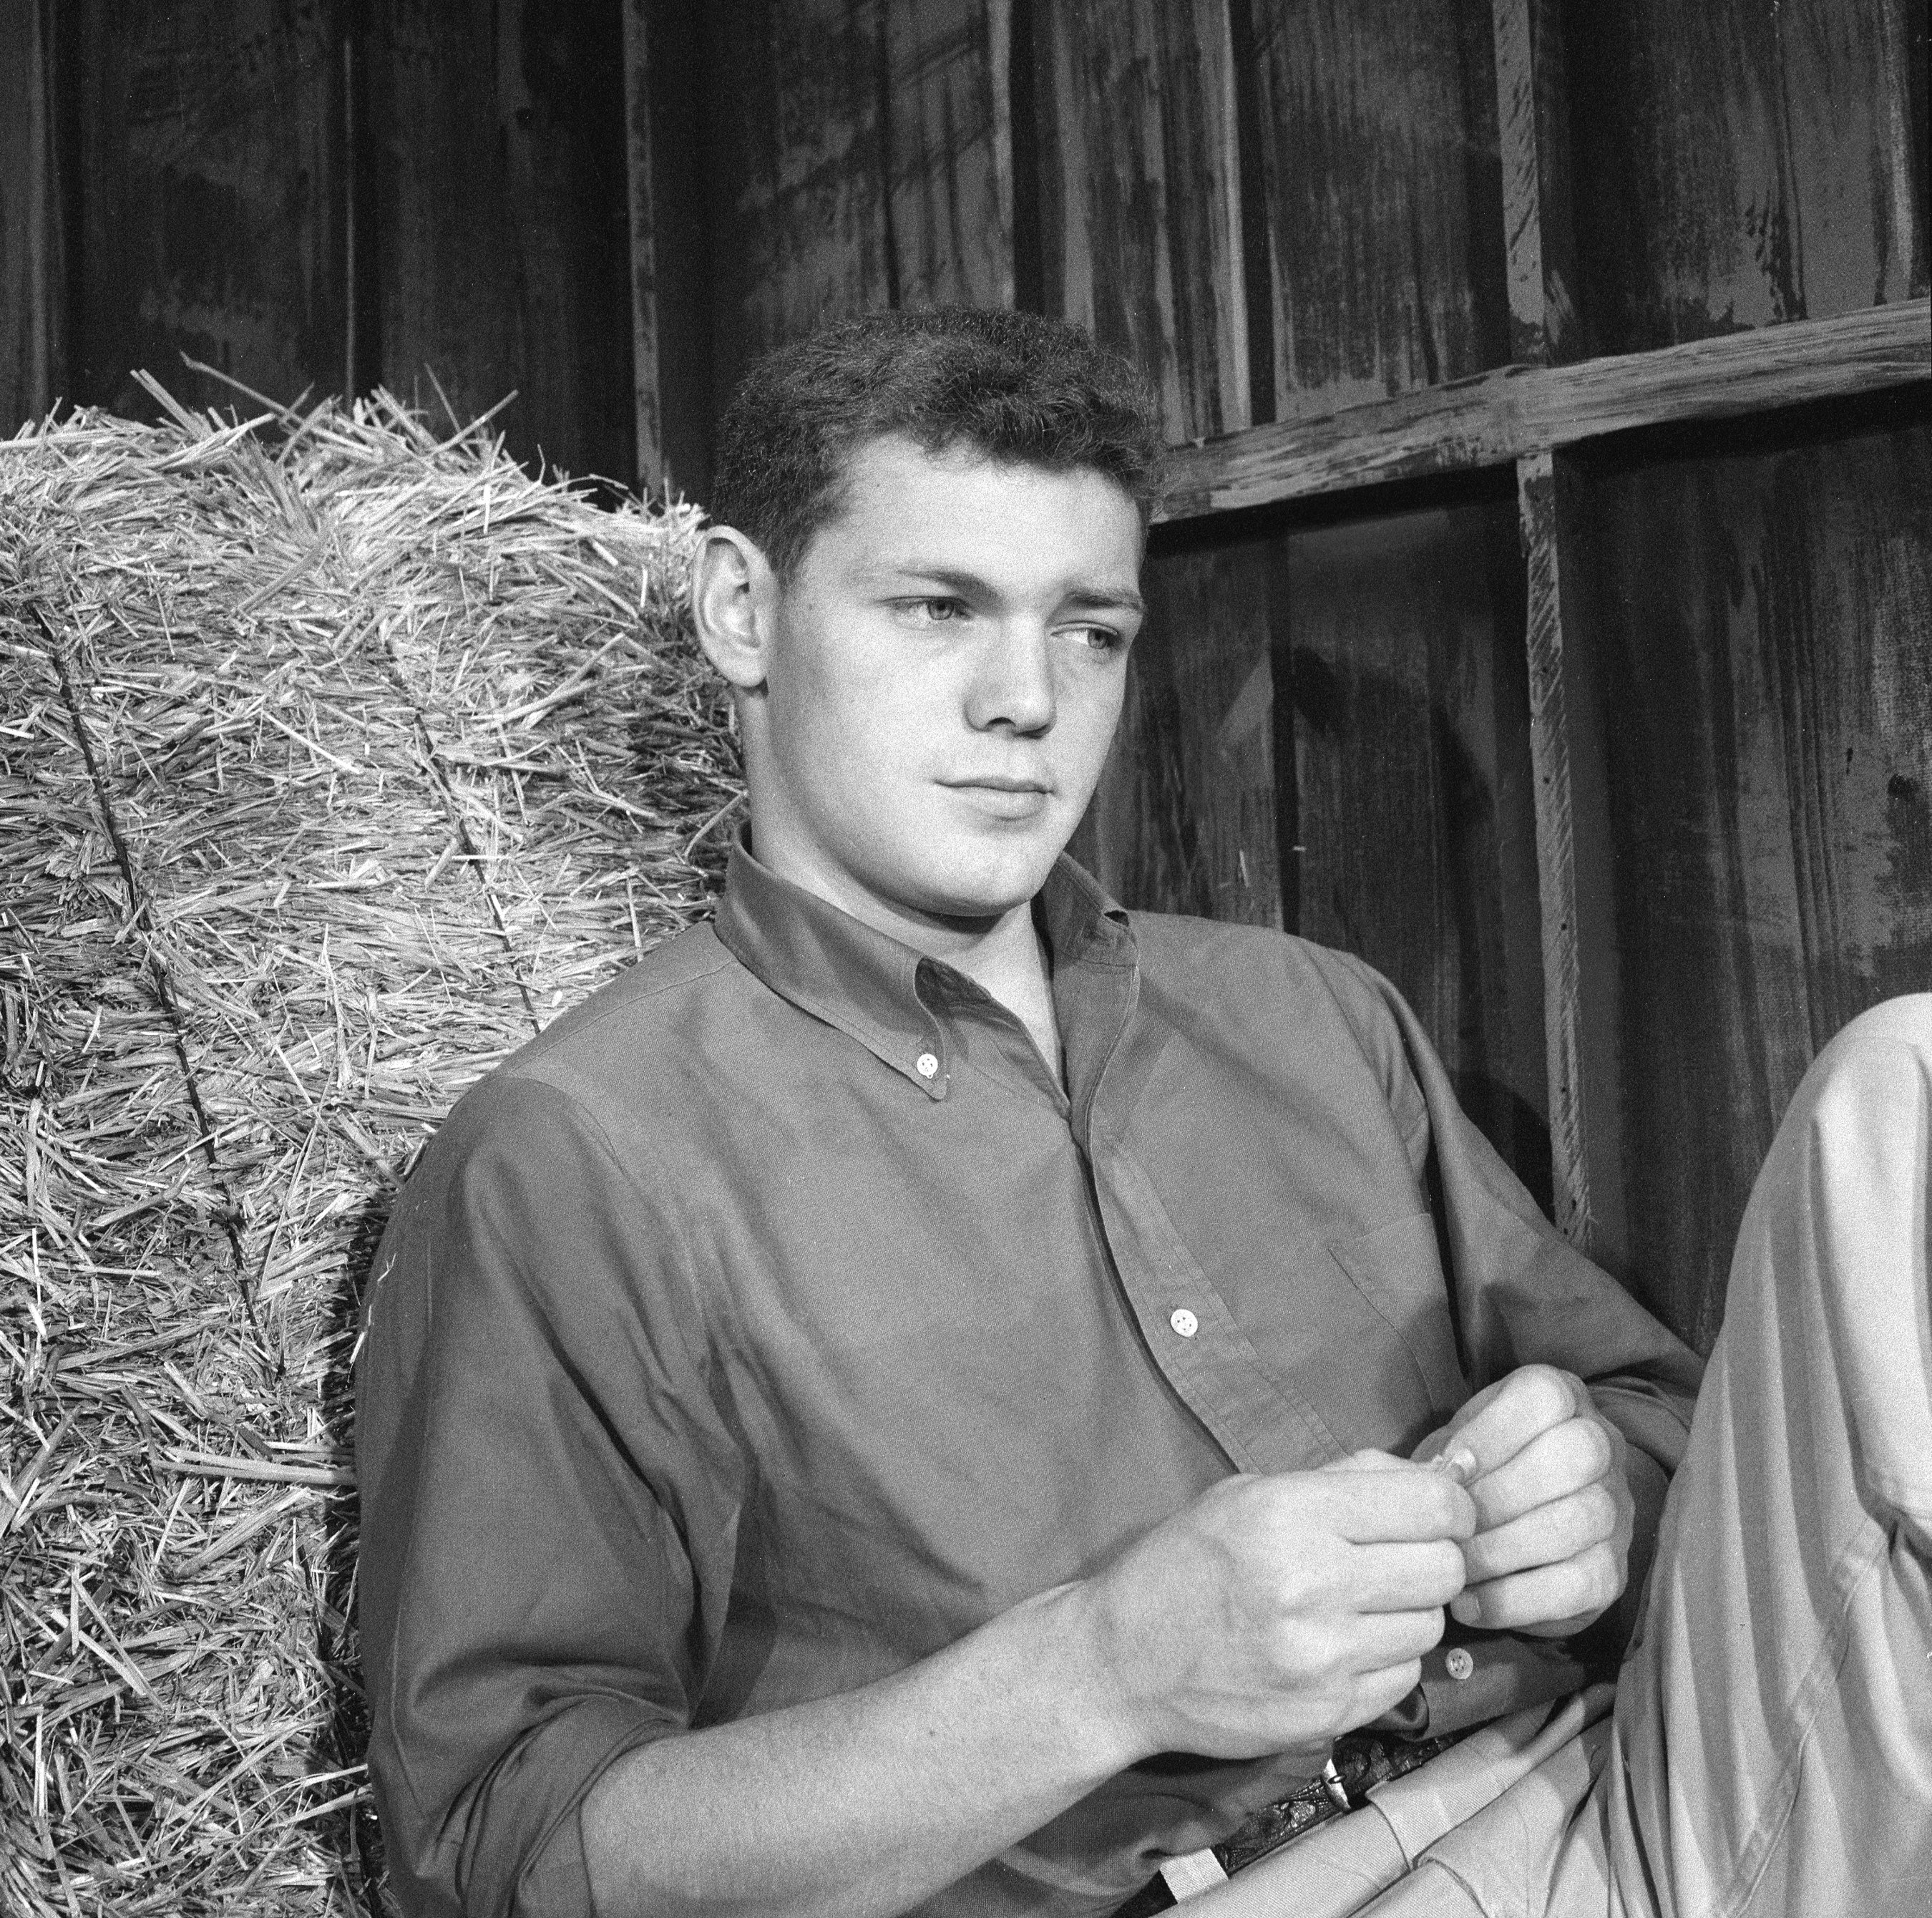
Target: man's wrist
(1091, 1661)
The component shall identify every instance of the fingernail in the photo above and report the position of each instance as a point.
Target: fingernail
(1460, 1464)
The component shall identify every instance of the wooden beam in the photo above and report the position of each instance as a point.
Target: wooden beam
(1497, 418)
(1549, 748)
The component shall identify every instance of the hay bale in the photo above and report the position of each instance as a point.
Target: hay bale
(335, 758)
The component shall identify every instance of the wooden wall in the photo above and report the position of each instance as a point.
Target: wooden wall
(1611, 754)
(317, 195)
(1758, 617)
(1347, 712)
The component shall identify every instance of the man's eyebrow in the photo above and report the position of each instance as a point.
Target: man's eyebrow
(1103, 597)
(967, 584)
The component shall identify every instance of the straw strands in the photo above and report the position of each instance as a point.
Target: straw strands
(335, 758)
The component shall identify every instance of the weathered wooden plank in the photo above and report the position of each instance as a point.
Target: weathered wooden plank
(798, 147)
(504, 220)
(1739, 163)
(671, 265)
(861, 156)
(1579, 978)
(1757, 622)
(1532, 120)
(949, 151)
(1502, 416)
(1403, 658)
(209, 141)
(641, 178)
(1140, 180)
(1185, 818)
(32, 275)
(1384, 196)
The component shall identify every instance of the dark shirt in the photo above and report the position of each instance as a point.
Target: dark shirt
(775, 1318)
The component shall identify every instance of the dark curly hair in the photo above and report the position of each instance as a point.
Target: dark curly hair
(1014, 387)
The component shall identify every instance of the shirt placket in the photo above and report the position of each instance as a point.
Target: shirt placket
(1255, 1416)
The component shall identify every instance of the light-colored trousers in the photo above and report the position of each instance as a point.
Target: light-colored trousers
(1770, 1749)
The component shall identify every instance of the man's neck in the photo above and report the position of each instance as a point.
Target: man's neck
(1011, 965)
(1005, 956)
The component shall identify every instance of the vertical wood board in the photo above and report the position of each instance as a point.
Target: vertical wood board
(642, 199)
(1140, 183)
(1533, 130)
(1384, 185)
(1738, 163)
(32, 257)
(1579, 977)
(505, 221)
(1758, 624)
(1184, 820)
(860, 160)
(210, 140)
(1404, 652)
(949, 151)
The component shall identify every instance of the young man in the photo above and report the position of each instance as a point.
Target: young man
(909, 1399)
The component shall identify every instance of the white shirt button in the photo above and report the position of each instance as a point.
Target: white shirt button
(1183, 1322)
(1459, 1664)
(925, 1065)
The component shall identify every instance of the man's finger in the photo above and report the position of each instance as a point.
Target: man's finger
(1561, 1529)
(1527, 1404)
(1376, 1691)
(1549, 1599)
(1388, 1579)
(1380, 1506)
(1553, 1465)
(1393, 1638)
(1370, 1460)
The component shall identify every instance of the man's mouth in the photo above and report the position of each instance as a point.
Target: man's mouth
(1002, 796)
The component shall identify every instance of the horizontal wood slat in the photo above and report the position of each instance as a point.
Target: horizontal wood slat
(1503, 416)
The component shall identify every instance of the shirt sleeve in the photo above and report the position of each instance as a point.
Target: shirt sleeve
(1520, 1293)
(548, 1499)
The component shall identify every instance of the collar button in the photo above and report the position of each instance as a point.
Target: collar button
(925, 1065)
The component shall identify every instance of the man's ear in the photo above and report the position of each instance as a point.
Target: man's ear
(733, 596)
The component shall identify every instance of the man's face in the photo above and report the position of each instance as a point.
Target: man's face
(944, 675)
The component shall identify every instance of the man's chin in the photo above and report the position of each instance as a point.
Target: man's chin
(976, 888)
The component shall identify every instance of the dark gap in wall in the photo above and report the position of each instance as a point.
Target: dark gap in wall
(882, 91)
(1440, 490)
(1919, 69)
(678, 68)
(1287, 773)
(1483, 185)
(1023, 116)
(1785, 429)
(363, 156)
(1257, 287)
(66, 96)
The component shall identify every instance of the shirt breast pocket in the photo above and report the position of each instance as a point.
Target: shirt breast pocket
(1397, 1270)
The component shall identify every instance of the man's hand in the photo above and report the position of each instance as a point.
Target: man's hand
(1275, 1612)
(1548, 1474)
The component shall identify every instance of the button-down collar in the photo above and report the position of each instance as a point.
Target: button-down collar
(891, 999)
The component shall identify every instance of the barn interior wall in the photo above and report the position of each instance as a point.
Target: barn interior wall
(1280, 208)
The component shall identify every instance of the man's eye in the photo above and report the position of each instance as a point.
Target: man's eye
(1101, 639)
(937, 612)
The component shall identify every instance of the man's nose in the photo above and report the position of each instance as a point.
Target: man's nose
(1012, 679)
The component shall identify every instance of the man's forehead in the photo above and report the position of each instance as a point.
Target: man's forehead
(901, 505)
